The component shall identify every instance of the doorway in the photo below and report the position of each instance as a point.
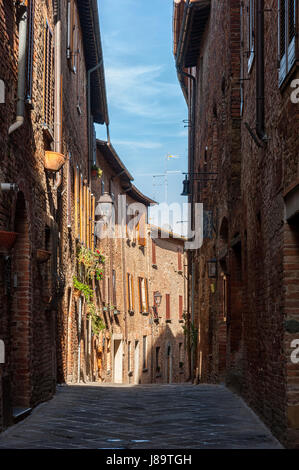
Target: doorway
(169, 365)
(118, 361)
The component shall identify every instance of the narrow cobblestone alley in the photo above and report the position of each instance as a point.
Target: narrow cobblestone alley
(142, 417)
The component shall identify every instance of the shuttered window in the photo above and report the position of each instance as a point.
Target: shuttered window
(143, 295)
(130, 292)
(93, 204)
(154, 255)
(180, 307)
(286, 37)
(48, 78)
(30, 47)
(167, 306)
(114, 287)
(144, 348)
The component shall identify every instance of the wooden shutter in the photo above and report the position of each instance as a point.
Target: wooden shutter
(140, 295)
(76, 200)
(180, 307)
(48, 78)
(132, 292)
(129, 292)
(167, 306)
(154, 255)
(146, 294)
(141, 231)
(114, 287)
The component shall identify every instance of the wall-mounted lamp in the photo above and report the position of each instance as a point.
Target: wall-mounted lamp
(186, 187)
(212, 268)
(157, 298)
(104, 205)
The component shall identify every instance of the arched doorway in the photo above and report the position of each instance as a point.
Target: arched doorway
(20, 324)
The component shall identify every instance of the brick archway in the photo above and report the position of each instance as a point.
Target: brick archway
(20, 325)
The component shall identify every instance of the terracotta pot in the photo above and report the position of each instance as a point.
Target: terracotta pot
(43, 255)
(54, 160)
(7, 241)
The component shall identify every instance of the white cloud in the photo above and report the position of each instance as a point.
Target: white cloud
(139, 90)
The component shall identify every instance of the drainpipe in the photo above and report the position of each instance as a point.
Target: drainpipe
(90, 136)
(21, 70)
(57, 97)
(260, 75)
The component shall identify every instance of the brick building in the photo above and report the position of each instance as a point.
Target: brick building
(141, 343)
(46, 50)
(237, 65)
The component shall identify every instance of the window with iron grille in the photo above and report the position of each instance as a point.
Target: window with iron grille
(114, 287)
(251, 33)
(48, 78)
(30, 42)
(286, 37)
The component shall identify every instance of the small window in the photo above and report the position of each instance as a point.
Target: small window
(129, 356)
(181, 355)
(30, 47)
(143, 295)
(114, 300)
(180, 307)
(251, 33)
(48, 79)
(167, 307)
(286, 35)
(144, 363)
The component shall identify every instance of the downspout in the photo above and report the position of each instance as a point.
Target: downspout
(90, 138)
(260, 75)
(21, 70)
(57, 97)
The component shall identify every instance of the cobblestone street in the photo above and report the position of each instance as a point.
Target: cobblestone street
(141, 417)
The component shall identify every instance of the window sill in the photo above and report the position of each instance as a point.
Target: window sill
(158, 375)
(144, 313)
(181, 321)
(180, 272)
(144, 370)
(154, 266)
(168, 321)
(130, 374)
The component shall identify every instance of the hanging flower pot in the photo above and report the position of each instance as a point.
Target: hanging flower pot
(7, 240)
(43, 256)
(54, 160)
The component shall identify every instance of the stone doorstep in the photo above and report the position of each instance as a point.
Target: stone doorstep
(20, 413)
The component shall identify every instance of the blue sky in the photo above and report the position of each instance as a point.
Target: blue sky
(146, 105)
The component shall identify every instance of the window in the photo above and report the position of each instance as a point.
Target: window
(144, 344)
(181, 355)
(158, 359)
(154, 256)
(251, 33)
(129, 356)
(167, 307)
(130, 292)
(114, 288)
(141, 230)
(30, 41)
(72, 35)
(143, 295)
(286, 35)
(180, 307)
(48, 78)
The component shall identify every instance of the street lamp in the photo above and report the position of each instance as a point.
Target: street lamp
(157, 298)
(104, 205)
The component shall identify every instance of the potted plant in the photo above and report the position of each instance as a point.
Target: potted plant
(54, 160)
(7, 240)
(43, 256)
(96, 171)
